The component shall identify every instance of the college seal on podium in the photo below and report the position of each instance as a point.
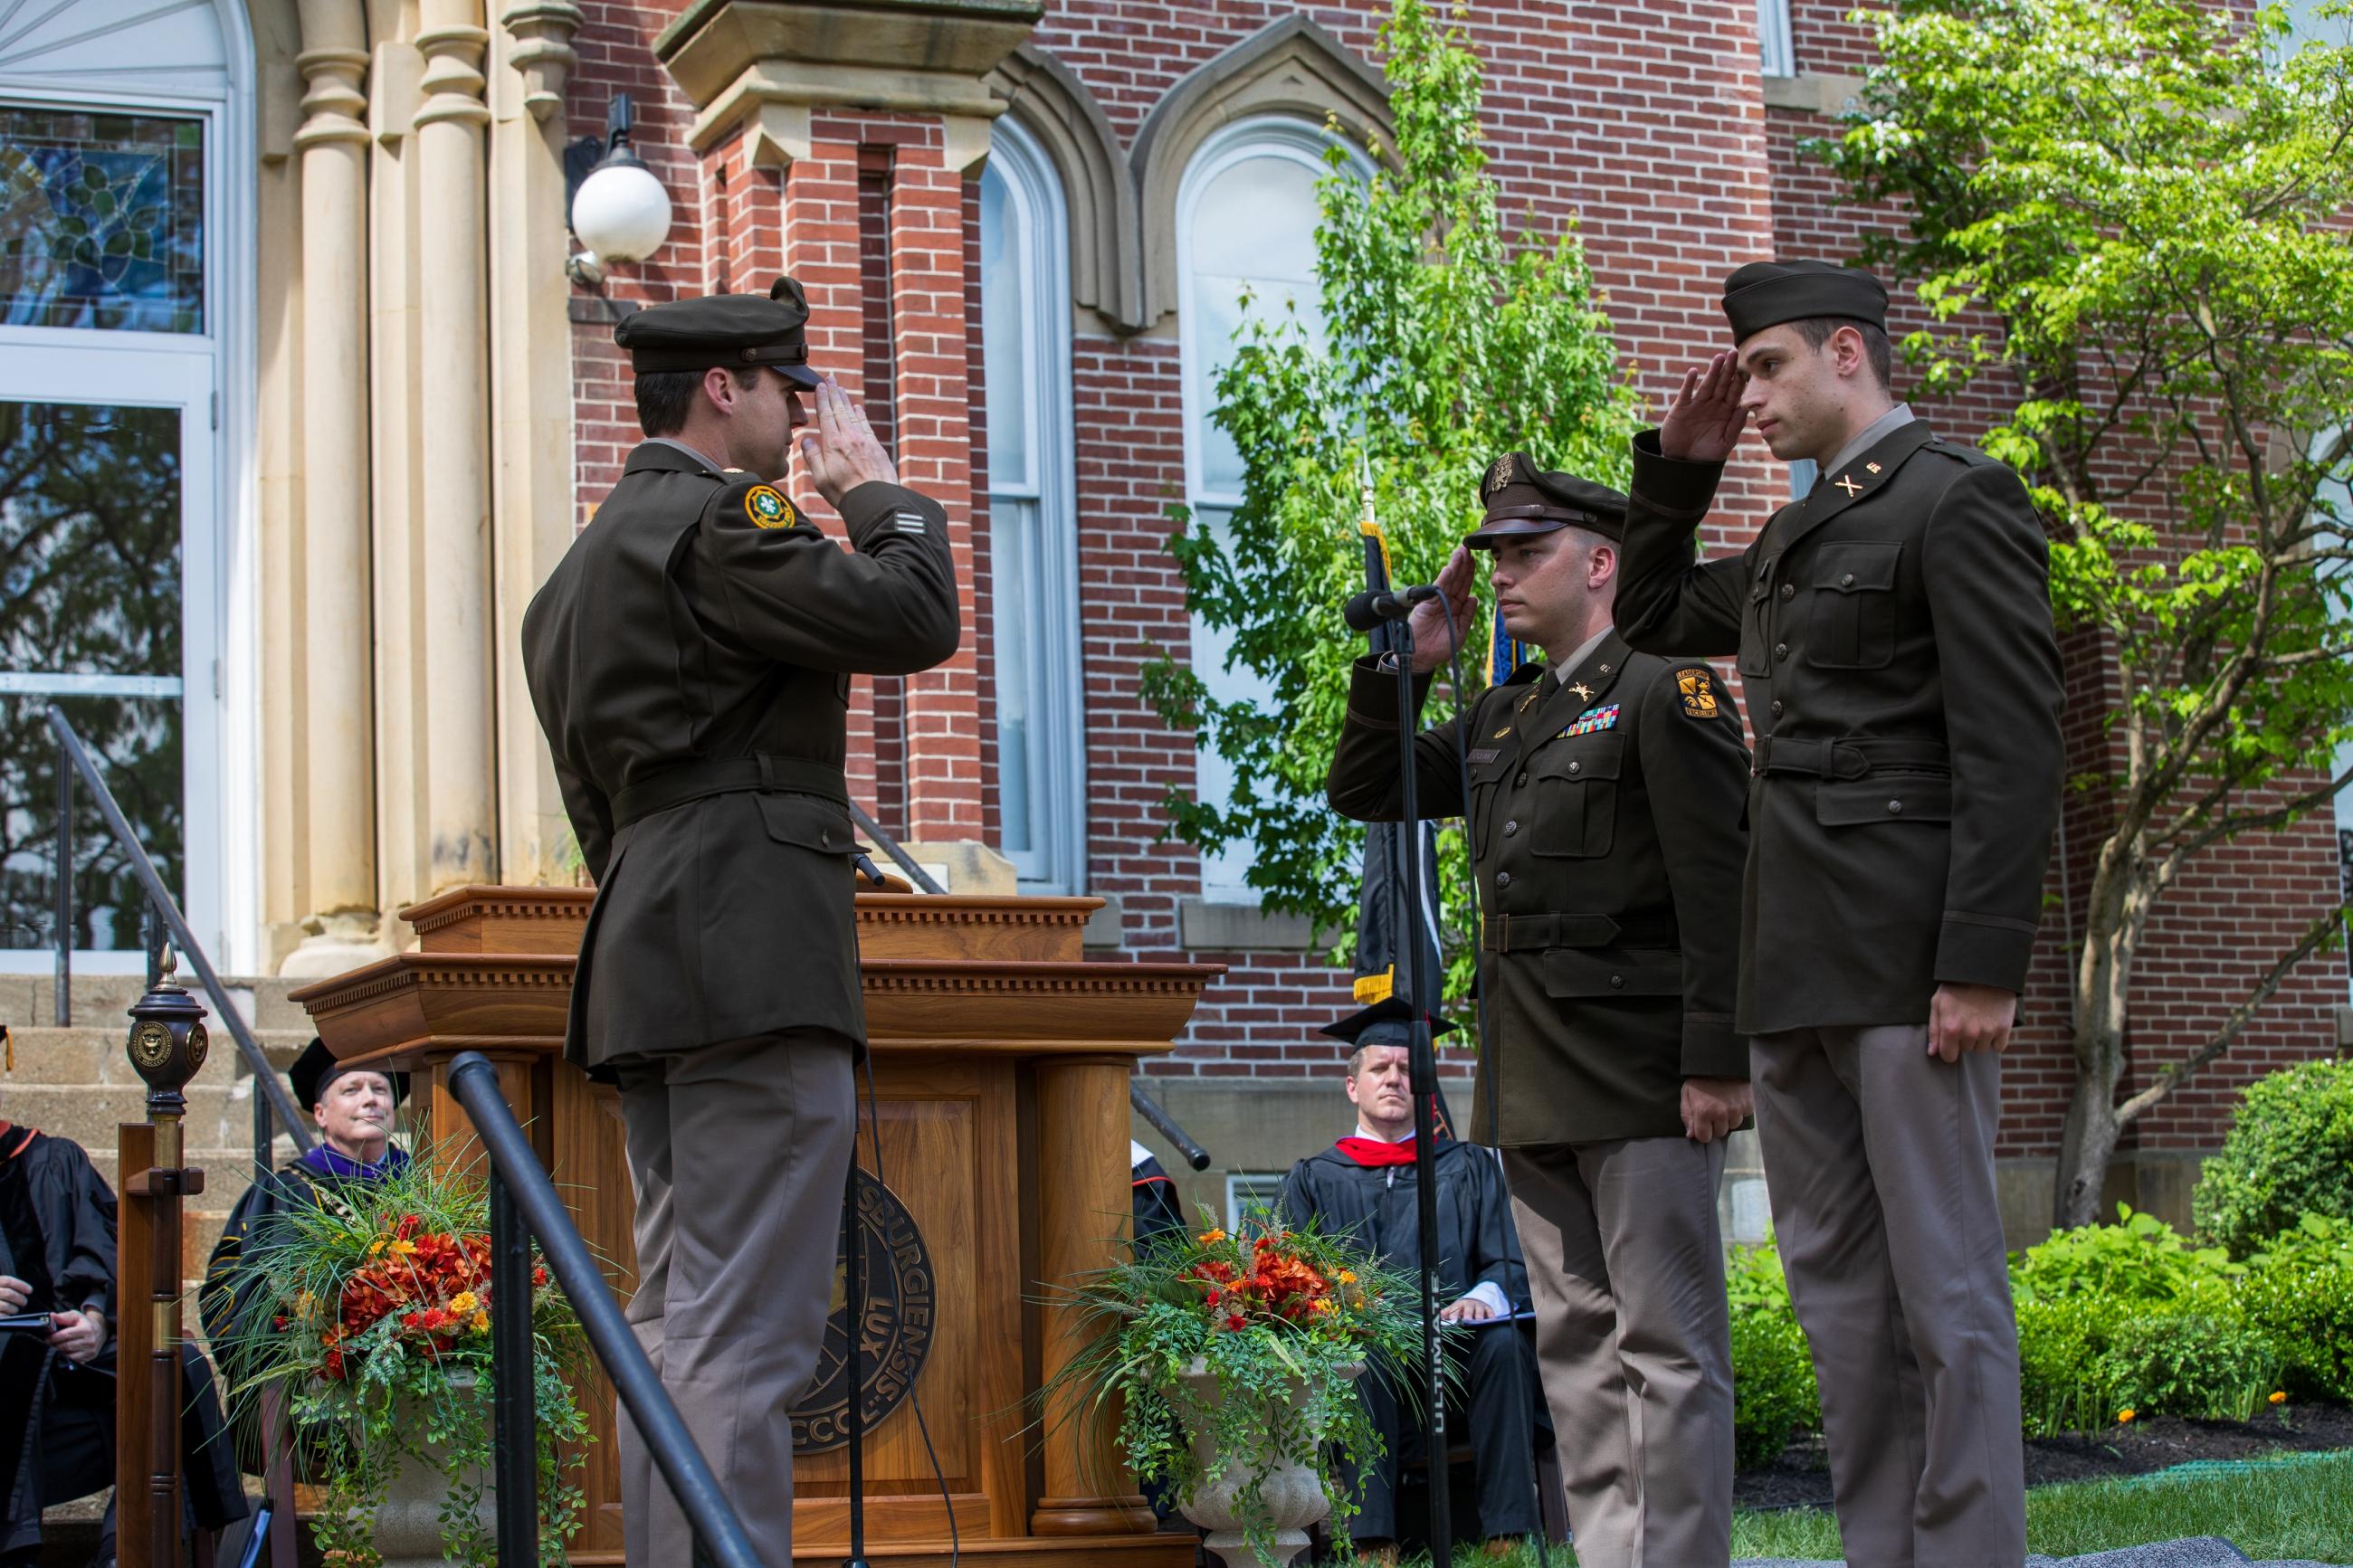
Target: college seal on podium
(895, 1336)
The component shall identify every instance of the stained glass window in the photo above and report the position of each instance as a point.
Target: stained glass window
(101, 220)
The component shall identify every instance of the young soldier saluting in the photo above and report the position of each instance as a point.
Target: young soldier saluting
(690, 659)
(1894, 638)
(1606, 792)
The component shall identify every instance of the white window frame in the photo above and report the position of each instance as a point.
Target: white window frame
(1282, 136)
(1775, 54)
(221, 646)
(1244, 1188)
(1037, 208)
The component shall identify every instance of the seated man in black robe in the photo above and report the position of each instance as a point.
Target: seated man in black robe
(356, 1109)
(57, 1389)
(1364, 1187)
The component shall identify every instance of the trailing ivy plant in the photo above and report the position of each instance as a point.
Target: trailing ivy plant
(1446, 339)
(1254, 1342)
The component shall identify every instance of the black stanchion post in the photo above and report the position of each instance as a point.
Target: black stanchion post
(1423, 1066)
(62, 999)
(514, 1410)
(853, 1299)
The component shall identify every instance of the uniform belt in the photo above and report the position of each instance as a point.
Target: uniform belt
(732, 776)
(1847, 759)
(1532, 933)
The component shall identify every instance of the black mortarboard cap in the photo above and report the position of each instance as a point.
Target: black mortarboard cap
(731, 330)
(1521, 499)
(1387, 1021)
(317, 1068)
(1767, 293)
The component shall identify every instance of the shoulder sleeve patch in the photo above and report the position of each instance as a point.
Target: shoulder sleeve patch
(1695, 690)
(766, 507)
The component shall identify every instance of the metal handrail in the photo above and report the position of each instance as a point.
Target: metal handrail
(184, 941)
(523, 1204)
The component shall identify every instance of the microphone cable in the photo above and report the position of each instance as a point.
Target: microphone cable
(914, 1395)
(1491, 1049)
(857, 1320)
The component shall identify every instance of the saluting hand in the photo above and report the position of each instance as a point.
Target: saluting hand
(1439, 625)
(1970, 1019)
(840, 447)
(1704, 417)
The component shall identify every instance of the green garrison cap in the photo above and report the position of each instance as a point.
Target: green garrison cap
(1767, 293)
(1521, 499)
(725, 330)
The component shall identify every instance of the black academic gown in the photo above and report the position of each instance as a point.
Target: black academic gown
(1496, 1403)
(233, 1305)
(57, 1442)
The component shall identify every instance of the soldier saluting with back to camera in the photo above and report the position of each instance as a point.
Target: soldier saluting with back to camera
(690, 659)
(1895, 645)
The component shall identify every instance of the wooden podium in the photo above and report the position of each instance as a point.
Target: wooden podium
(1001, 1063)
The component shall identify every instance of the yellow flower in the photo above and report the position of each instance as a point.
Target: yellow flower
(376, 1247)
(2124, 1416)
(2279, 1396)
(481, 1323)
(404, 1248)
(1348, 1277)
(464, 1301)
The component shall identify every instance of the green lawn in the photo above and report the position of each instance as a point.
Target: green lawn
(2300, 1507)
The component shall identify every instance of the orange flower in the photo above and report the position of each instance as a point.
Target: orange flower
(2124, 1416)
(1210, 1237)
(2279, 1396)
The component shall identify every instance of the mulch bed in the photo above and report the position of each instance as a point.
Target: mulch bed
(1800, 1477)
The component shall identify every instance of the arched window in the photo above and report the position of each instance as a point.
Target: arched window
(1246, 218)
(1025, 313)
(125, 190)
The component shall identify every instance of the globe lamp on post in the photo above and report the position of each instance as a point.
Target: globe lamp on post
(621, 213)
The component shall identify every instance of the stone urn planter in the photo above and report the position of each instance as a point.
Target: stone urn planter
(409, 1520)
(1293, 1493)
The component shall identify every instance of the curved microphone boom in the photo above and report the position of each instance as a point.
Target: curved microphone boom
(1371, 607)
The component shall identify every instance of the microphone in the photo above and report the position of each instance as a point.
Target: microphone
(1368, 610)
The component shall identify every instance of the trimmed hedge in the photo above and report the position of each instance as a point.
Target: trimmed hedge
(2289, 1152)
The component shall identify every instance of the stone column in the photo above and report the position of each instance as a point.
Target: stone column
(531, 429)
(453, 396)
(1081, 1215)
(335, 759)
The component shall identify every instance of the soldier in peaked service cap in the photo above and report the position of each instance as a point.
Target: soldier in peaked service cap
(1605, 817)
(1895, 646)
(690, 659)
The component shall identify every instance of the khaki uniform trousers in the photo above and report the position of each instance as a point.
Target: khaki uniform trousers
(1879, 1160)
(740, 1155)
(1633, 1342)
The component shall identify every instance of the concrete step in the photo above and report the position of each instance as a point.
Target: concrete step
(217, 1116)
(102, 1000)
(96, 1055)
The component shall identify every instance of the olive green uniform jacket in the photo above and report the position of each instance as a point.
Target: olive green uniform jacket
(1896, 652)
(690, 660)
(1605, 823)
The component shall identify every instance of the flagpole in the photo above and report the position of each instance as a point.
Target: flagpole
(1420, 988)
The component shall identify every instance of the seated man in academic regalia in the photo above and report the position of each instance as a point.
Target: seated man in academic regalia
(354, 1109)
(57, 1388)
(1365, 1186)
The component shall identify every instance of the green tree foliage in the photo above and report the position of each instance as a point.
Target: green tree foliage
(89, 572)
(1446, 341)
(2127, 216)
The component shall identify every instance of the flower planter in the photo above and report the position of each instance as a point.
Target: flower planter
(409, 1520)
(1292, 1494)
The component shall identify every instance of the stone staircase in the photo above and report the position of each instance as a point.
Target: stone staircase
(77, 1083)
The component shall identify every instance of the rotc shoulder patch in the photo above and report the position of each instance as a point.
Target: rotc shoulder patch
(766, 507)
(1697, 687)
(1598, 718)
